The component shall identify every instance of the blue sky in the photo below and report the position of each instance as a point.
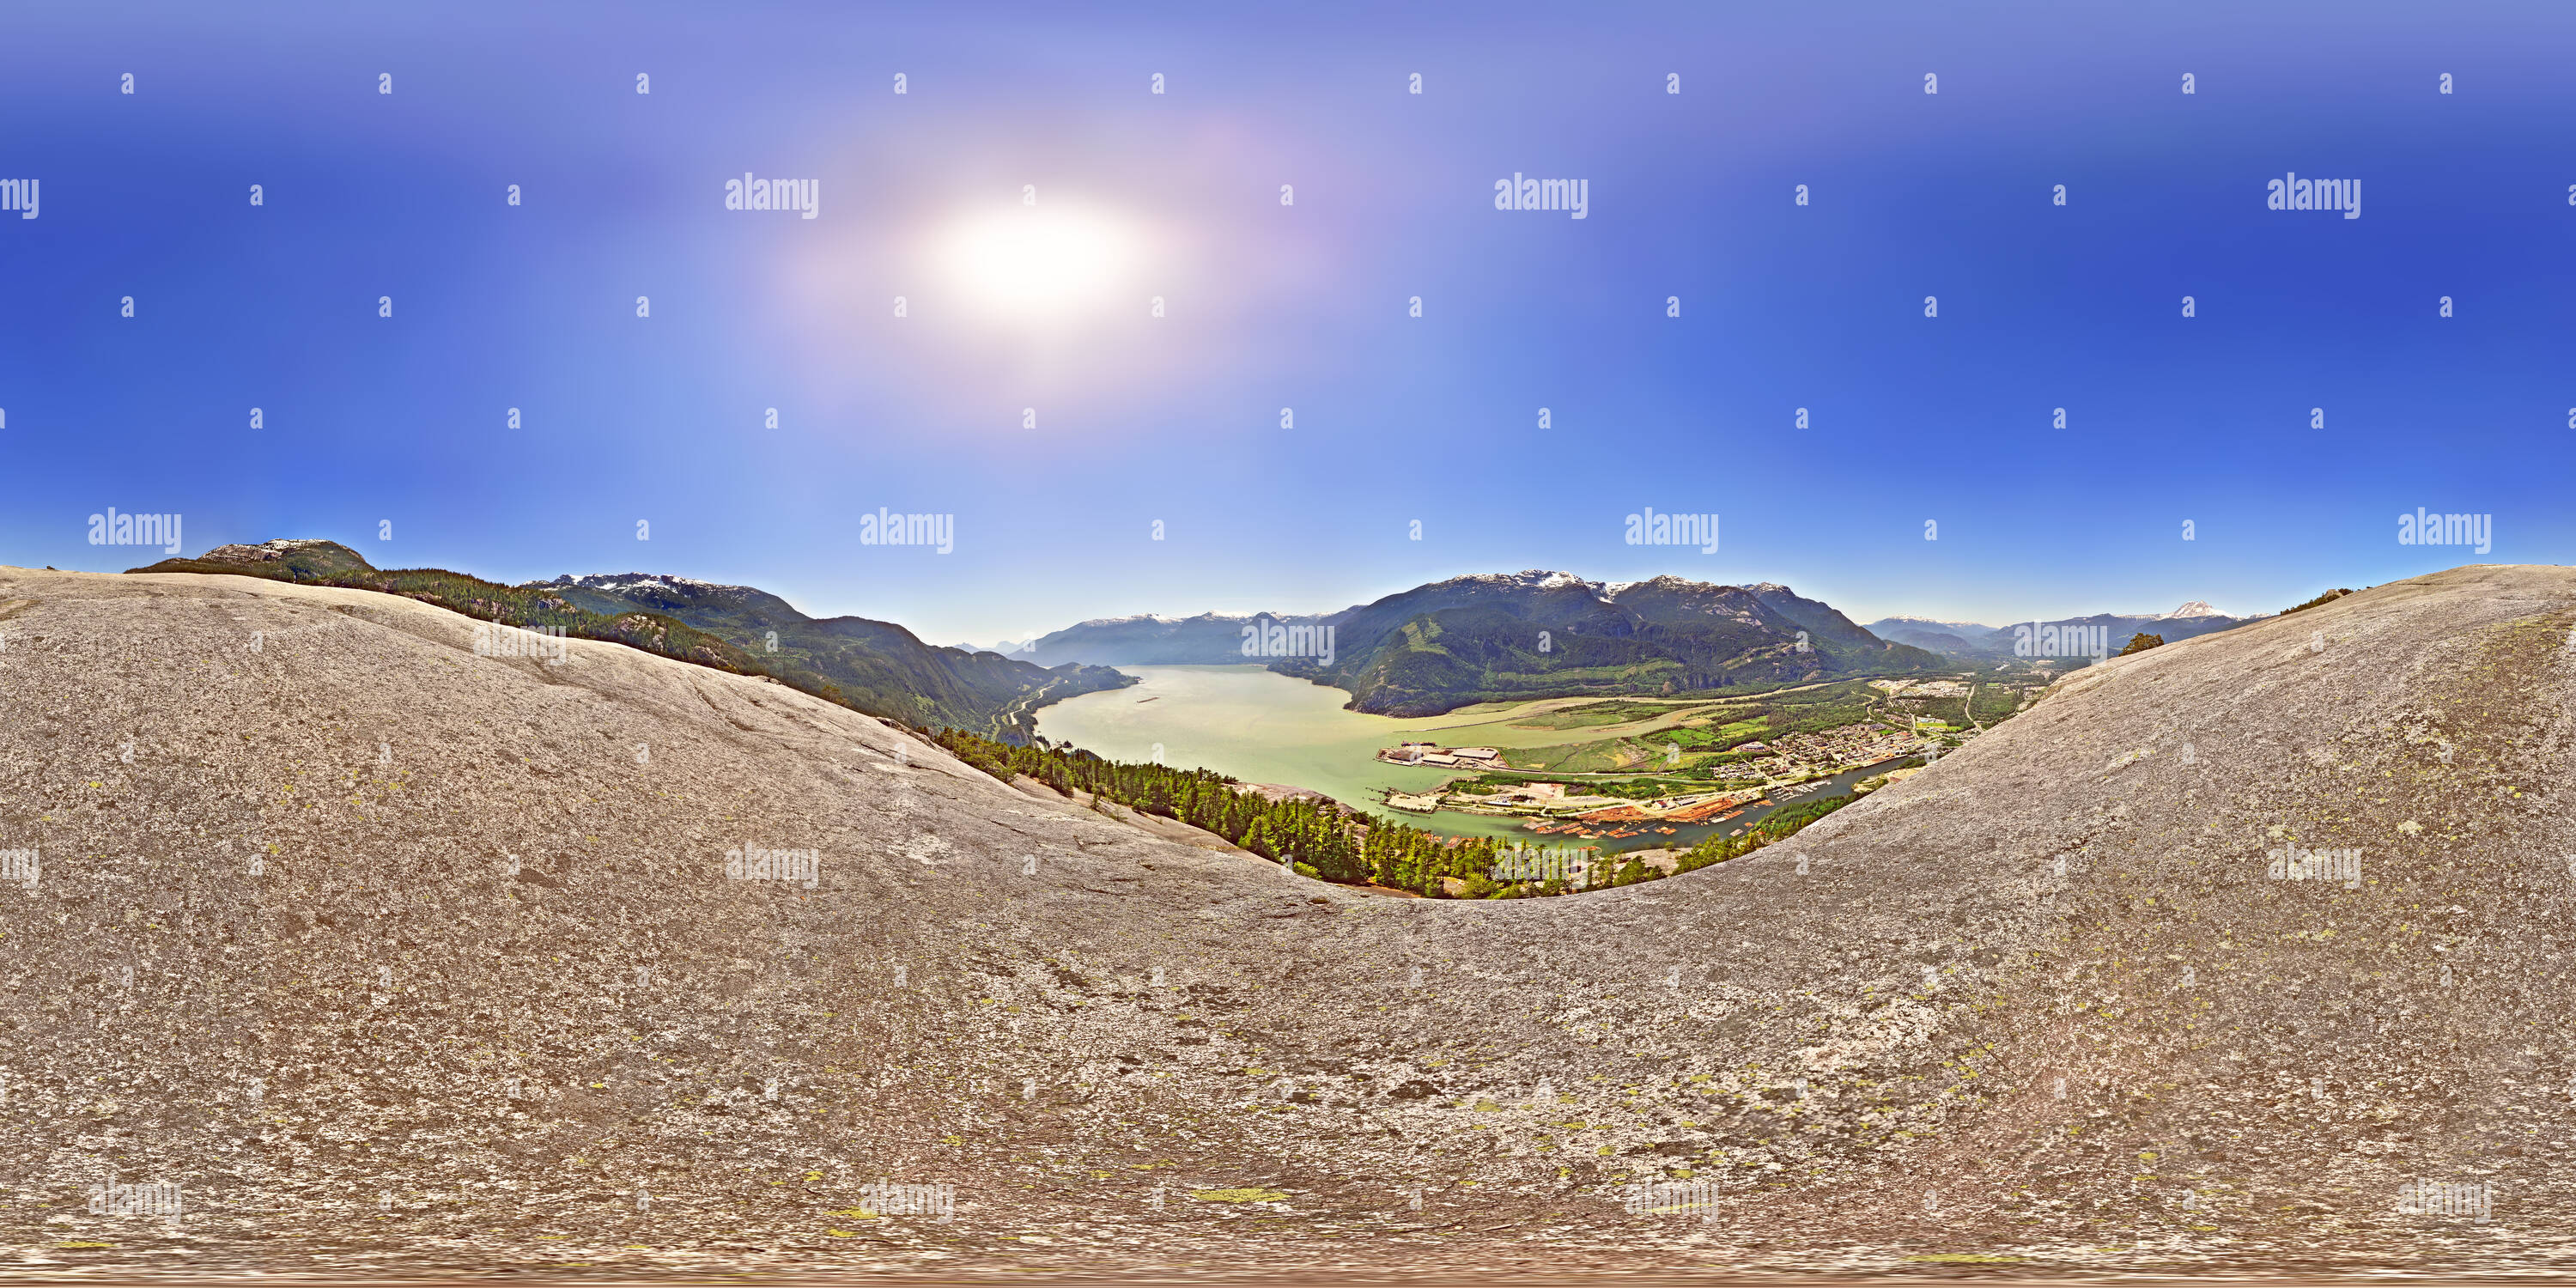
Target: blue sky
(1268, 306)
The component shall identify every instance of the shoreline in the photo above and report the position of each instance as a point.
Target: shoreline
(1256, 725)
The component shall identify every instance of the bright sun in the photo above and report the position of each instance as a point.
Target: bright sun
(1039, 263)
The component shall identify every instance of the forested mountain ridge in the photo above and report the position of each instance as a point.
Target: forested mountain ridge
(1493, 637)
(876, 667)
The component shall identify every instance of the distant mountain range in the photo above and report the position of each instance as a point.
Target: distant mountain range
(1928, 633)
(877, 667)
(1149, 640)
(1979, 642)
(1534, 634)
(1497, 636)
(1434, 648)
(1006, 648)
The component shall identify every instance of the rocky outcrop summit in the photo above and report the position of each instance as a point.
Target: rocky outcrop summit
(387, 953)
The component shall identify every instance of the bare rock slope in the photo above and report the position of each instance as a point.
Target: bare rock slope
(392, 955)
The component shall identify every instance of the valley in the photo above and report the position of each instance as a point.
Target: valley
(1130, 644)
(1514, 637)
(1580, 755)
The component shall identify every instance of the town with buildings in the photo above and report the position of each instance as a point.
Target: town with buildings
(1556, 807)
(1800, 756)
(1921, 688)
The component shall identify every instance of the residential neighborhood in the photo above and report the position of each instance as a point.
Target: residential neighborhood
(1807, 755)
(1921, 688)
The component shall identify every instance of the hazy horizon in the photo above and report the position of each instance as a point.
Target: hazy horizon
(1858, 616)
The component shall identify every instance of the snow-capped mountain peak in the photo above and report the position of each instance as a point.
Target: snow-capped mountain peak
(1161, 620)
(618, 582)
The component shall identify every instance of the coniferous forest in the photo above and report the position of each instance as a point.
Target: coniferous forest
(1330, 841)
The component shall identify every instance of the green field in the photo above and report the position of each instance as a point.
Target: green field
(1612, 712)
(1704, 730)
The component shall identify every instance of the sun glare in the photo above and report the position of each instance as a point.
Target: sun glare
(1040, 263)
